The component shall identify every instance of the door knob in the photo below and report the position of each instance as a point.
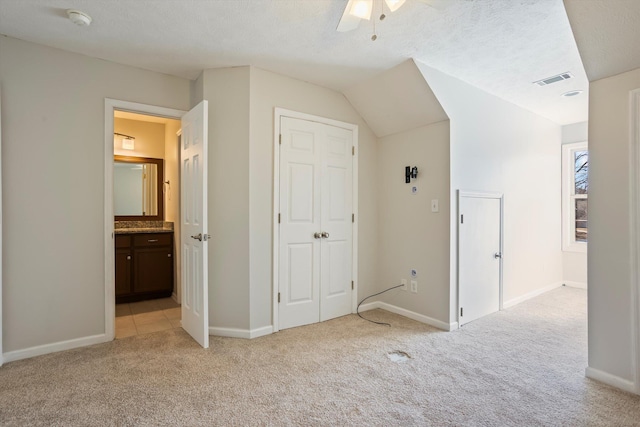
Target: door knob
(201, 237)
(325, 235)
(317, 235)
(497, 255)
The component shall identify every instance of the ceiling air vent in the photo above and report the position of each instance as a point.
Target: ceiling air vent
(554, 79)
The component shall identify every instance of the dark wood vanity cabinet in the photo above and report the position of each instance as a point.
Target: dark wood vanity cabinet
(144, 266)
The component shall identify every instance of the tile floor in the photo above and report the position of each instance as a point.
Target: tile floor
(144, 317)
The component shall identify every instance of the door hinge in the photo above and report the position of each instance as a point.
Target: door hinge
(353, 217)
(280, 139)
(353, 150)
(352, 286)
(278, 218)
(278, 297)
(461, 311)
(461, 219)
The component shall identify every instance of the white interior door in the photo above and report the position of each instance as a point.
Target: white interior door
(315, 252)
(479, 255)
(336, 245)
(300, 226)
(194, 238)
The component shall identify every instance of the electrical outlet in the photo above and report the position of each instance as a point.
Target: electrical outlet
(403, 282)
(414, 286)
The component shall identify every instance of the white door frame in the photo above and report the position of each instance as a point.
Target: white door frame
(482, 195)
(278, 114)
(634, 136)
(110, 105)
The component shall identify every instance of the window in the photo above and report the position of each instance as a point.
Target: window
(575, 190)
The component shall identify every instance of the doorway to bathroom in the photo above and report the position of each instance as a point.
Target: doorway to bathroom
(155, 190)
(146, 202)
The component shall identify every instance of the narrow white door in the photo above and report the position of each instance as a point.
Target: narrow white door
(336, 244)
(479, 256)
(315, 253)
(194, 238)
(300, 226)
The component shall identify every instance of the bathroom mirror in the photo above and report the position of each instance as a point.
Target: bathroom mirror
(137, 188)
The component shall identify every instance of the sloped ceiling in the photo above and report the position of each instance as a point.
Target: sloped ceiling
(396, 100)
(608, 35)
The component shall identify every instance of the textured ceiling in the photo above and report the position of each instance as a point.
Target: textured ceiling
(608, 35)
(500, 46)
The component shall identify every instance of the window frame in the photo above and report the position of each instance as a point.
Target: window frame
(569, 243)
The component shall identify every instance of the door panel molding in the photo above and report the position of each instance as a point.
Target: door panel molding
(279, 113)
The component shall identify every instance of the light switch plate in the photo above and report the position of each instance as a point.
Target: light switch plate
(435, 205)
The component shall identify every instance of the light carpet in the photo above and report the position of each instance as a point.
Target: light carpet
(520, 367)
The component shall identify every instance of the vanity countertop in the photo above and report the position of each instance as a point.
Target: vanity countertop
(142, 230)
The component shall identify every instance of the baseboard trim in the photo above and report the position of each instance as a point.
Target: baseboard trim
(53, 347)
(532, 294)
(612, 380)
(410, 314)
(260, 332)
(579, 285)
(240, 333)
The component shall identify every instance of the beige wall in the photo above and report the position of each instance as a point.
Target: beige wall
(574, 264)
(241, 126)
(149, 138)
(227, 91)
(499, 147)
(610, 296)
(53, 153)
(410, 236)
(270, 90)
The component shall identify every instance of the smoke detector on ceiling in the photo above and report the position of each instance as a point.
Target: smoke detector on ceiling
(79, 18)
(554, 79)
(572, 93)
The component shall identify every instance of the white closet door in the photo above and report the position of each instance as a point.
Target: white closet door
(316, 204)
(336, 246)
(479, 256)
(299, 269)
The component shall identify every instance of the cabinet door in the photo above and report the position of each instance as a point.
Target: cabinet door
(153, 269)
(123, 271)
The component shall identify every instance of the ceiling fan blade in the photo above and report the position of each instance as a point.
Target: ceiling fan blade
(348, 21)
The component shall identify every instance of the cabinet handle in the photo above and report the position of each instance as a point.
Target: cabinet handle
(152, 240)
(168, 255)
(128, 257)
